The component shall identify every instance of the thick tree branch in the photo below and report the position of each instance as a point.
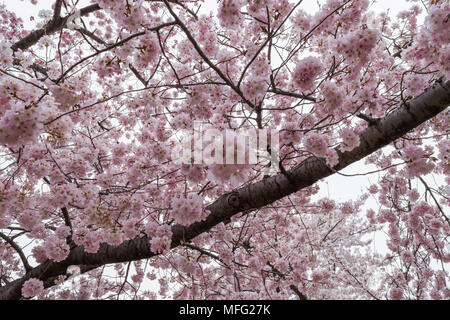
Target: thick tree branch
(57, 23)
(300, 295)
(54, 25)
(405, 118)
(18, 250)
(57, 10)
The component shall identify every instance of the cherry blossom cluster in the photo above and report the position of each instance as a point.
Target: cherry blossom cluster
(160, 237)
(148, 50)
(418, 161)
(318, 144)
(32, 287)
(258, 9)
(437, 22)
(444, 156)
(207, 37)
(433, 41)
(413, 84)
(302, 20)
(290, 133)
(22, 123)
(306, 72)
(89, 239)
(229, 13)
(444, 61)
(256, 82)
(129, 15)
(194, 172)
(9, 24)
(187, 210)
(234, 174)
(29, 220)
(198, 100)
(357, 46)
(107, 66)
(6, 53)
(396, 293)
(90, 113)
(350, 140)
(66, 194)
(333, 96)
(56, 248)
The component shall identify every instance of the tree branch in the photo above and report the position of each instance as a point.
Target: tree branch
(51, 27)
(18, 250)
(205, 58)
(300, 295)
(397, 123)
(57, 10)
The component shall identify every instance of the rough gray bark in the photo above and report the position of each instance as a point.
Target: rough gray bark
(384, 131)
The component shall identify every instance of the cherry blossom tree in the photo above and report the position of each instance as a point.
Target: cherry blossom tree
(93, 101)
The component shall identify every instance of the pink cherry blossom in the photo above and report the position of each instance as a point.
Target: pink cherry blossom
(396, 294)
(316, 143)
(187, 210)
(306, 72)
(32, 287)
(56, 248)
(229, 12)
(350, 140)
(350, 202)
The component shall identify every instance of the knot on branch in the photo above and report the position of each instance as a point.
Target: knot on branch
(233, 200)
